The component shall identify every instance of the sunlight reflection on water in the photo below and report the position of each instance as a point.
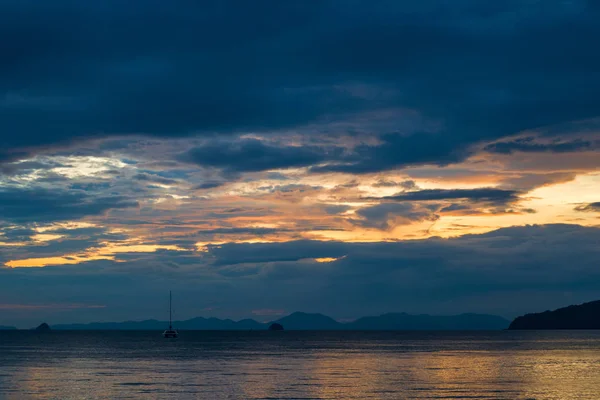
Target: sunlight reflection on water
(320, 365)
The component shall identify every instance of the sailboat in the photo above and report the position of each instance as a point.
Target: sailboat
(170, 333)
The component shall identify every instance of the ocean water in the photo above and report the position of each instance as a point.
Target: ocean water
(301, 365)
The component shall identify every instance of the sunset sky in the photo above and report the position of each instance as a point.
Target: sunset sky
(264, 157)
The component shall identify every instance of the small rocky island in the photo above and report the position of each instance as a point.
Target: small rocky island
(275, 327)
(44, 327)
(583, 316)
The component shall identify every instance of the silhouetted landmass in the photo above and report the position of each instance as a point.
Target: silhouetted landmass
(200, 323)
(583, 316)
(311, 322)
(306, 321)
(275, 327)
(7, 328)
(44, 327)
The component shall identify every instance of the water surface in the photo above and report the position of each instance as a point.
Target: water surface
(301, 365)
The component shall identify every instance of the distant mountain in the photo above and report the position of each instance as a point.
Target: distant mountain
(147, 325)
(44, 327)
(306, 321)
(220, 324)
(309, 322)
(583, 316)
(7, 328)
(403, 321)
(275, 327)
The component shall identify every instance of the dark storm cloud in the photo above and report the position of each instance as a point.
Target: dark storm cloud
(26, 167)
(480, 70)
(82, 232)
(234, 253)
(458, 207)
(594, 207)
(250, 155)
(406, 185)
(398, 151)
(16, 235)
(381, 215)
(336, 209)
(508, 271)
(209, 185)
(43, 205)
(90, 186)
(530, 145)
(492, 195)
(290, 188)
(277, 176)
(72, 241)
(516, 258)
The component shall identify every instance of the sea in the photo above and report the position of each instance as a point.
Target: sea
(300, 365)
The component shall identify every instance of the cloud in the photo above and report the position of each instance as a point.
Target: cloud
(336, 209)
(397, 151)
(492, 195)
(456, 207)
(239, 253)
(268, 312)
(209, 185)
(104, 107)
(66, 241)
(406, 185)
(290, 188)
(43, 205)
(241, 231)
(387, 215)
(507, 271)
(528, 181)
(151, 178)
(530, 145)
(26, 167)
(16, 234)
(592, 207)
(249, 155)
(462, 68)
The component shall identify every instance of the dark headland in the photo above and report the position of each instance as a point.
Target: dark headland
(44, 327)
(582, 316)
(275, 327)
(307, 321)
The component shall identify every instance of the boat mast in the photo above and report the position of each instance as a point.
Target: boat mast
(170, 313)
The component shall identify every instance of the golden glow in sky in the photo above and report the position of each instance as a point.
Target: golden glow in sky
(288, 205)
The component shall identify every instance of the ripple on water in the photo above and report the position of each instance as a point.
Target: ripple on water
(309, 365)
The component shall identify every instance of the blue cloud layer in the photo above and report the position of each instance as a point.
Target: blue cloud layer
(479, 70)
(508, 271)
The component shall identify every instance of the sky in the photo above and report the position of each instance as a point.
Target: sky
(258, 158)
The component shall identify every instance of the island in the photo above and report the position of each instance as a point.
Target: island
(275, 327)
(312, 322)
(582, 316)
(44, 327)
